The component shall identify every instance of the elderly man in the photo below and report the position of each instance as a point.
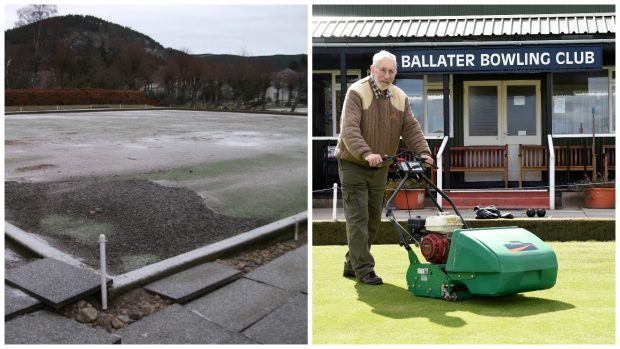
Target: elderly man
(375, 115)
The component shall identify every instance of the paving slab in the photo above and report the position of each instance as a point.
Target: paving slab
(43, 327)
(289, 272)
(17, 302)
(194, 282)
(178, 325)
(286, 325)
(238, 305)
(53, 282)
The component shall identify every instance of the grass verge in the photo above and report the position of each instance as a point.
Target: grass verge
(579, 309)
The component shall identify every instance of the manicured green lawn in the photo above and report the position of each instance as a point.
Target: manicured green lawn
(579, 309)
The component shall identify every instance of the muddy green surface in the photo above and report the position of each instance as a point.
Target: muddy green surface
(252, 165)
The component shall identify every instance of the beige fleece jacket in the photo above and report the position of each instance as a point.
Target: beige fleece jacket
(374, 126)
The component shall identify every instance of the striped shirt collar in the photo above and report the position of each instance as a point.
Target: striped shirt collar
(377, 91)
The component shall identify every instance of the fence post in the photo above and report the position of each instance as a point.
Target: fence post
(296, 230)
(335, 201)
(104, 289)
(551, 172)
(440, 169)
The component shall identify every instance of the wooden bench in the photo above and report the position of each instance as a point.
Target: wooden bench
(532, 158)
(609, 160)
(567, 158)
(477, 158)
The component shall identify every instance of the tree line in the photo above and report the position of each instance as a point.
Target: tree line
(86, 52)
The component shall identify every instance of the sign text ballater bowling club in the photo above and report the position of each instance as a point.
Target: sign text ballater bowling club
(499, 59)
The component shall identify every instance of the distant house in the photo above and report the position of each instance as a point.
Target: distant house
(283, 87)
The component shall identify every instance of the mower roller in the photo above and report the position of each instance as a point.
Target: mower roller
(465, 262)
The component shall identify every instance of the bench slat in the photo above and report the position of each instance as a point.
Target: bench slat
(477, 159)
(567, 158)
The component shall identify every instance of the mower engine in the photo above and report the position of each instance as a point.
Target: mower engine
(435, 248)
(433, 235)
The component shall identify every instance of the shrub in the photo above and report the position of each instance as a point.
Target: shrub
(73, 96)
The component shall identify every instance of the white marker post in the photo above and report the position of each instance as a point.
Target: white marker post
(104, 289)
(335, 201)
(296, 230)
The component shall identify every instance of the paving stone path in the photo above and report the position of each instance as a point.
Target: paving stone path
(214, 304)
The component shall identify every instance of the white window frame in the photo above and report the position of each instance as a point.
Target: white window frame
(436, 86)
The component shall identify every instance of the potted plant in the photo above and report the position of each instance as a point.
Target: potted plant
(411, 196)
(597, 192)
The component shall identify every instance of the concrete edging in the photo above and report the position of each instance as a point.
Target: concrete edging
(51, 111)
(39, 246)
(203, 254)
(155, 271)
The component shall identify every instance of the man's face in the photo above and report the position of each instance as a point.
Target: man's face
(383, 73)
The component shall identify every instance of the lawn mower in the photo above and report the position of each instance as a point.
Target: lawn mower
(463, 261)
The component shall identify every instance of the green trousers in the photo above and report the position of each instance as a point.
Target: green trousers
(363, 190)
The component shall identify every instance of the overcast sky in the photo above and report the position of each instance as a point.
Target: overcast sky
(254, 29)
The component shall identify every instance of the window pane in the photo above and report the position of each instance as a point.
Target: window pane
(575, 97)
(521, 108)
(434, 99)
(414, 88)
(482, 110)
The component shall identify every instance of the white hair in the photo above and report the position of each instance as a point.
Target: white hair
(381, 55)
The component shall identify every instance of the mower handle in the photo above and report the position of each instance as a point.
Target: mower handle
(423, 176)
(395, 159)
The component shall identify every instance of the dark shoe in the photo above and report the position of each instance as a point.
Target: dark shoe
(371, 279)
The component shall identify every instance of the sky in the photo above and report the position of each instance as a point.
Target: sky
(254, 30)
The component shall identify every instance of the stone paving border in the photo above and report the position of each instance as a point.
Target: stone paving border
(238, 305)
(17, 302)
(243, 312)
(288, 272)
(43, 327)
(194, 282)
(54, 282)
(178, 325)
(282, 326)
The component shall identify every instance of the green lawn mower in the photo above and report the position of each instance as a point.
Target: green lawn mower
(465, 262)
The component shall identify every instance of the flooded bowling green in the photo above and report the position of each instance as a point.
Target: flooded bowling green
(246, 168)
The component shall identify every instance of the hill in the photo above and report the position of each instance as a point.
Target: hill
(76, 51)
(81, 33)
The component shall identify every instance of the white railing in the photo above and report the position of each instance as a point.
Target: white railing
(440, 169)
(551, 173)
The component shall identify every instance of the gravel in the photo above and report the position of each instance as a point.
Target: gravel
(143, 222)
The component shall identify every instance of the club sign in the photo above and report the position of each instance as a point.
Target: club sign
(500, 59)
